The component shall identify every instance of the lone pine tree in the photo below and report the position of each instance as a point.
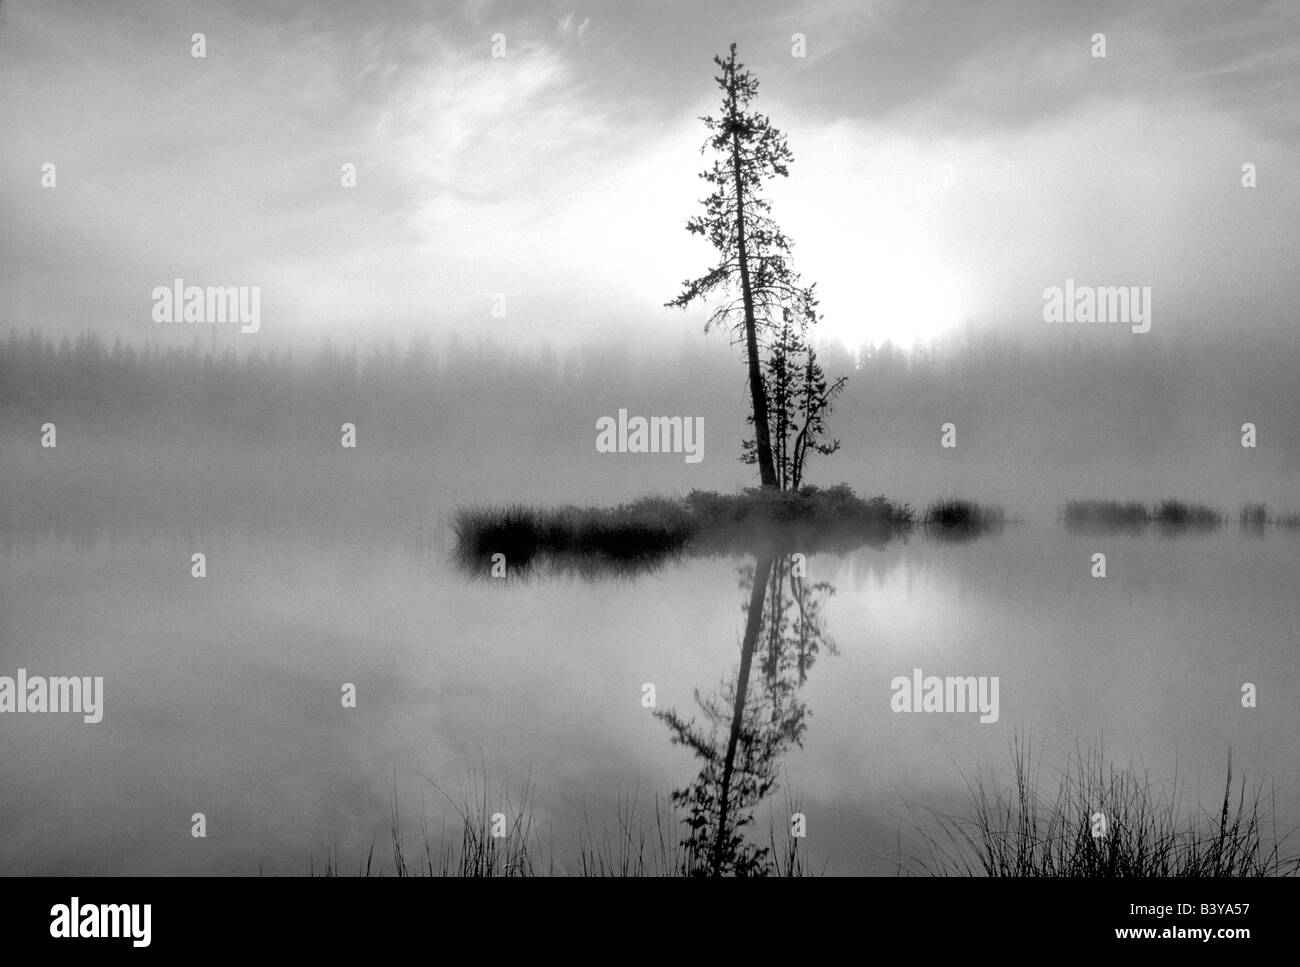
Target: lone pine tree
(754, 279)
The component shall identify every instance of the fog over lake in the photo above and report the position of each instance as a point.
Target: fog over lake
(327, 565)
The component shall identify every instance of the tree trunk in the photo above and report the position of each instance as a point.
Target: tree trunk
(757, 393)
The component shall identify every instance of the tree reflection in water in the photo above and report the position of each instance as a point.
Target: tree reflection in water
(749, 725)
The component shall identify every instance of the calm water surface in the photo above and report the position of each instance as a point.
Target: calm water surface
(223, 694)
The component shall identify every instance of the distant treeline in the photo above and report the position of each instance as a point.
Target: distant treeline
(1132, 395)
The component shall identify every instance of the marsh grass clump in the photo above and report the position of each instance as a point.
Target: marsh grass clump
(651, 526)
(514, 530)
(1183, 514)
(648, 529)
(1026, 831)
(1254, 514)
(1254, 519)
(957, 515)
(807, 505)
(1172, 516)
(639, 536)
(812, 517)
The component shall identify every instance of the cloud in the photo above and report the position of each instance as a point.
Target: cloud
(562, 173)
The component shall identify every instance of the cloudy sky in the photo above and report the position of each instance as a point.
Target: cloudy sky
(951, 161)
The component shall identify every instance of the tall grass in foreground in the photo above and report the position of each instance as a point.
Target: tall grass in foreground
(635, 846)
(1023, 831)
(493, 836)
(631, 851)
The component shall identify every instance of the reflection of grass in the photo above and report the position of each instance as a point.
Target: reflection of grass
(640, 535)
(1018, 832)
(1106, 512)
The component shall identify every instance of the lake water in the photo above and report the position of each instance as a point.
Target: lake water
(222, 694)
